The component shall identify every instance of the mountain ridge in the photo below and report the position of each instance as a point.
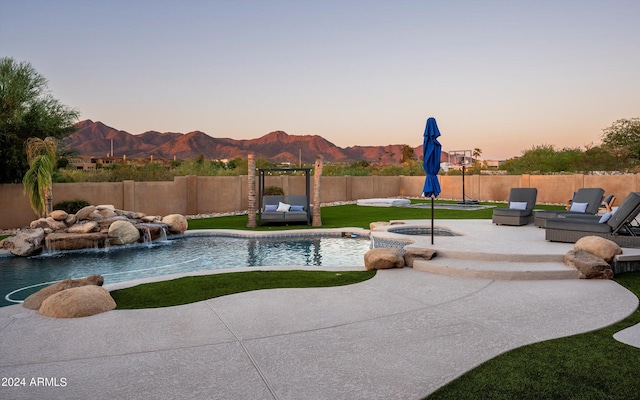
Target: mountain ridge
(94, 139)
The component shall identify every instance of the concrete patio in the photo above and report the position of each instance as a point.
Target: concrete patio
(402, 334)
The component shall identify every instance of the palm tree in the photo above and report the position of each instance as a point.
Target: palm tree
(38, 181)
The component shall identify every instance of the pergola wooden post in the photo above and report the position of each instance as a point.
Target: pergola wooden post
(251, 223)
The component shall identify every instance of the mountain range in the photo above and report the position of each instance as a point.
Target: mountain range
(94, 139)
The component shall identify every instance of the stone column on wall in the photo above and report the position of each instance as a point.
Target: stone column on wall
(317, 173)
(251, 172)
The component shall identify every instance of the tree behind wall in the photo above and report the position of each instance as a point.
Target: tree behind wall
(27, 109)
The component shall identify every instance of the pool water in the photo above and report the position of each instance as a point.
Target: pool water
(174, 256)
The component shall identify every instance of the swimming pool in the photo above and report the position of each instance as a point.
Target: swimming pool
(20, 277)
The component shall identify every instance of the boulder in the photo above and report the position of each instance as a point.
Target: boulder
(59, 215)
(588, 265)
(598, 246)
(77, 302)
(70, 220)
(74, 241)
(383, 258)
(25, 243)
(123, 232)
(412, 255)
(48, 223)
(127, 214)
(176, 223)
(85, 213)
(151, 218)
(85, 227)
(105, 207)
(34, 301)
(106, 213)
(374, 225)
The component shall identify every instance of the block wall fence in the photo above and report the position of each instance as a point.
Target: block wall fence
(190, 195)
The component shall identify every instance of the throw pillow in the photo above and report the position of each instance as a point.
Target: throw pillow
(579, 207)
(296, 208)
(270, 207)
(605, 218)
(518, 205)
(283, 207)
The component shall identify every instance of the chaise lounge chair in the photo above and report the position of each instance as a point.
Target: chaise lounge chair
(520, 209)
(616, 226)
(607, 204)
(585, 203)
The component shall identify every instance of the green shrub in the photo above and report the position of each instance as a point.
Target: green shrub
(71, 206)
(273, 191)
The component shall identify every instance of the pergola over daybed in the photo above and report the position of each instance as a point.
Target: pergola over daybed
(305, 201)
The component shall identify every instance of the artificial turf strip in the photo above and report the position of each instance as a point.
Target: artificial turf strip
(352, 215)
(591, 365)
(197, 288)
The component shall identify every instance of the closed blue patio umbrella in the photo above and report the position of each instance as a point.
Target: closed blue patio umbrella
(431, 150)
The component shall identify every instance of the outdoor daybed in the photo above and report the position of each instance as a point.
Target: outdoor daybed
(293, 208)
(520, 210)
(585, 202)
(616, 226)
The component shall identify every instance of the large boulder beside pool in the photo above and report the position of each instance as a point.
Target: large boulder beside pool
(599, 246)
(383, 258)
(34, 301)
(77, 302)
(26, 243)
(176, 223)
(588, 265)
(123, 232)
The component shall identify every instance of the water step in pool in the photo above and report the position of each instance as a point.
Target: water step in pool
(500, 270)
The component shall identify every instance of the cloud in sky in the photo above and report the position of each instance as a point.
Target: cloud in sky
(502, 76)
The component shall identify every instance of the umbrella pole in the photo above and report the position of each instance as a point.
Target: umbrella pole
(431, 219)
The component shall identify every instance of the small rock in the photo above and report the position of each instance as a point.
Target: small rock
(77, 302)
(374, 225)
(85, 212)
(70, 220)
(86, 227)
(412, 255)
(59, 215)
(176, 223)
(383, 258)
(106, 213)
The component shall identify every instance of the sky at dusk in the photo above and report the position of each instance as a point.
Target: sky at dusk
(501, 76)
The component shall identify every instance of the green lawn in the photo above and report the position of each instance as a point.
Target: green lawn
(591, 365)
(197, 288)
(355, 216)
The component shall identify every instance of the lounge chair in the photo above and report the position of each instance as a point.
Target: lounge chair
(520, 209)
(585, 202)
(607, 204)
(617, 226)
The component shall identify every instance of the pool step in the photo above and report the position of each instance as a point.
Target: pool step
(500, 270)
